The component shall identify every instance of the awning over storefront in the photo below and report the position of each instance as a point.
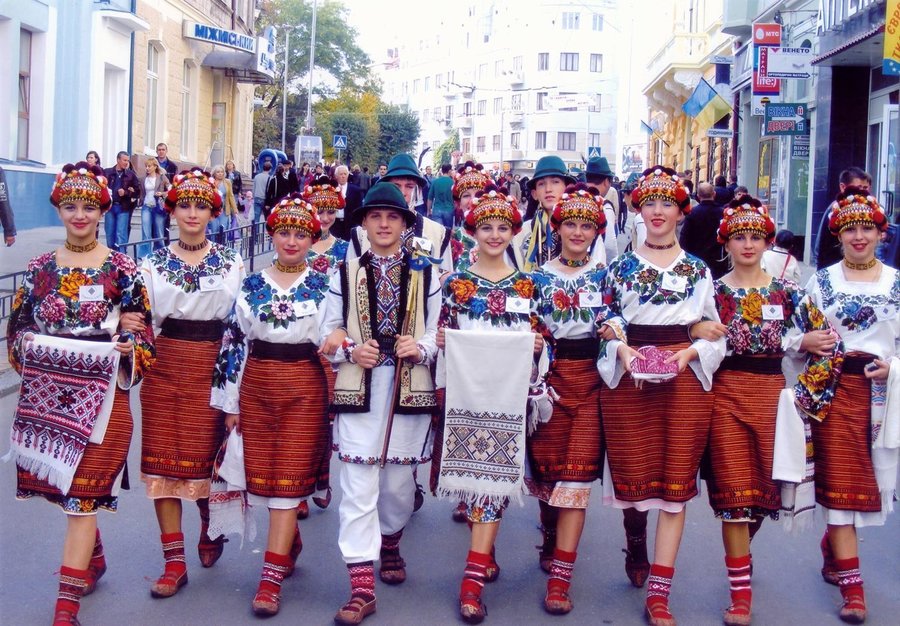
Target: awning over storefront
(866, 49)
(241, 66)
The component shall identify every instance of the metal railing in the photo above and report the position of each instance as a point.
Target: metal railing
(250, 240)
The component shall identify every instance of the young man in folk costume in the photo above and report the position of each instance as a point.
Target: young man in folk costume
(404, 174)
(383, 327)
(537, 243)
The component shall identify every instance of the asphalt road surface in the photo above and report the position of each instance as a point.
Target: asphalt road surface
(786, 584)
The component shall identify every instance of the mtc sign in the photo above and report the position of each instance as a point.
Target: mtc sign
(786, 118)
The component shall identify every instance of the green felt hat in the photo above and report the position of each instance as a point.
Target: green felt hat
(403, 166)
(384, 195)
(550, 166)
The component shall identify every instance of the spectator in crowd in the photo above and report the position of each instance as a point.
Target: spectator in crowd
(6, 212)
(778, 260)
(246, 208)
(698, 235)
(365, 180)
(440, 197)
(260, 182)
(125, 190)
(235, 177)
(353, 197)
(382, 170)
(162, 157)
(283, 183)
(740, 190)
(228, 217)
(687, 177)
(732, 183)
(153, 214)
(724, 195)
(512, 183)
(599, 176)
(304, 176)
(93, 158)
(828, 246)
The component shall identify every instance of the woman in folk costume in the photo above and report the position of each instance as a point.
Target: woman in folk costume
(380, 328)
(470, 179)
(78, 291)
(656, 429)
(273, 334)
(763, 318)
(856, 446)
(482, 297)
(192, 284)
(565, 452)
(326, 255)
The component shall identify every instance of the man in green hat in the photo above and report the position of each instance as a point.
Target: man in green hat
(600, 177)
(402, 172)
(378, 502)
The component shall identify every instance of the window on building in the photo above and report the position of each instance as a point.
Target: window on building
(543, 61)
(565, 141)
(482, 107)
(405, 89)
(568, 61)
(517, 63)
(597, 22)
(438, 81)
(482, 71)
(540, 140)
(595, 103)
(151, 113)
(424, 116)
(516, 102)
(541, 101)
(437, 114)
(496, 142)
(24, 121)
(593, 139)
(571, 20)
(435, 145)
(498, 105)
(427, 83)
(417, 84)
(448, 112)
(467, 109)
(479, 144)
(188, 123)
(466, 145)
(498, 68)
(596, 62)
(514, 140)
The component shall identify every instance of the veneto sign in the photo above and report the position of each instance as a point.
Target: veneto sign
(220, 36)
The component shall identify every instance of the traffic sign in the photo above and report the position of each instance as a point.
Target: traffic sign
(788, 62)
(786, 118)
(340, 142)
(594, 152)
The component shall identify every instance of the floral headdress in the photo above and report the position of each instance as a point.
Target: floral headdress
(578, 203)
(660, 182)
(745, 214)
(81, 181)
(855, 206)
(194, 186)
(323, 195)
(491, 204)
(470, 175)
(294, 213)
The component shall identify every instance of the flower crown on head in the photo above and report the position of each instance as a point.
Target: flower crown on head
(81, 181)
(855, 206)
(493, 203)
(294, 213)
(579, 203)
(745, 214)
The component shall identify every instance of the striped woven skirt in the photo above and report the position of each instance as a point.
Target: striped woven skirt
(742, 442)
(655, 436)
(181, 433)
(568, 446)
(285, 430)
(845, 476)
(95, 483)
(323, 480)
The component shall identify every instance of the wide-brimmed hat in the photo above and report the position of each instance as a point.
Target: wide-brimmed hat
(403, 166)
(550, 166)
(598, 166)
(384, 195)
(81, 181)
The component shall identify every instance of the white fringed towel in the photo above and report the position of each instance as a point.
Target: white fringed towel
(488, 374)
(793, 464)
(229, 511)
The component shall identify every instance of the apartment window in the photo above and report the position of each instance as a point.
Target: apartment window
(597, 22)
(496, 142)
(498, 68)
(482, 107)
(467, 109)
(435, 145)
(543, 61)
(448, 112)
(438, 81)
(568, 61)
(540, 140)
(595, 103)
(498, 105)
(187, 110)
(482, 71)
(541, 101)
(427, 83)
(517, 64)
(24, 121)
(565, 141)
(424, 116)
(405, 88)
(516, 102)
(417, 84)
(596, 62)
(151, 113)
(479, 144)
(437, 114)
(570, 20)
(593, 139)
(466, 145)
(514, 141)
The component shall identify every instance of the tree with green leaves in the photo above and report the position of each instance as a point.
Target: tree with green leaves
(445, 151)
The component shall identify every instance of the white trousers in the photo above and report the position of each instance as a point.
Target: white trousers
(375, 501)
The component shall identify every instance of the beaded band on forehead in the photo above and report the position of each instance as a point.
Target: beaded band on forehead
(324, 197)
(294, 213)
(579, 204)
(855, 207)
(194, 186)
(81, 182)
(745, 215)
(493, 205)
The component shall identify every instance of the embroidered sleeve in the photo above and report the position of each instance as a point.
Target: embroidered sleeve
(333, 318)
(229, 369)
(818, 382)
(21, 321)
(135, 299)
(710, 353)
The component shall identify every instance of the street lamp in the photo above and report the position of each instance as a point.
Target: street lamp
(312, 62)
(287, 45)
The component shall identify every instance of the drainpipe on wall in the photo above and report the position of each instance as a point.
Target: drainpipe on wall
(131, 86)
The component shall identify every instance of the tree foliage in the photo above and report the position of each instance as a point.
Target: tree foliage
(444, 152)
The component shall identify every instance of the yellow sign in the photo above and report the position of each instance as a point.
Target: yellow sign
(891, 64)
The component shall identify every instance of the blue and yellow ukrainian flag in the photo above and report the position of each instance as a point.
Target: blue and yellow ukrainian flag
(705, 105)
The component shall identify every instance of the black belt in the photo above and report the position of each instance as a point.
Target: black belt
(192, 330)
(578, 349)
(287, 352)
(386, 343)
(657, 335)
(753, 364)
(856, 364)
(98, 338)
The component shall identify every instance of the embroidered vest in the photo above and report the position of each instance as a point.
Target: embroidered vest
(352, 388)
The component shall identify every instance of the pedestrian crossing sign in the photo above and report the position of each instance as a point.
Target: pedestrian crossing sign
(594, 152)
(340, 142)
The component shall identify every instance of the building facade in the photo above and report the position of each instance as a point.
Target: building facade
(517, 80)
